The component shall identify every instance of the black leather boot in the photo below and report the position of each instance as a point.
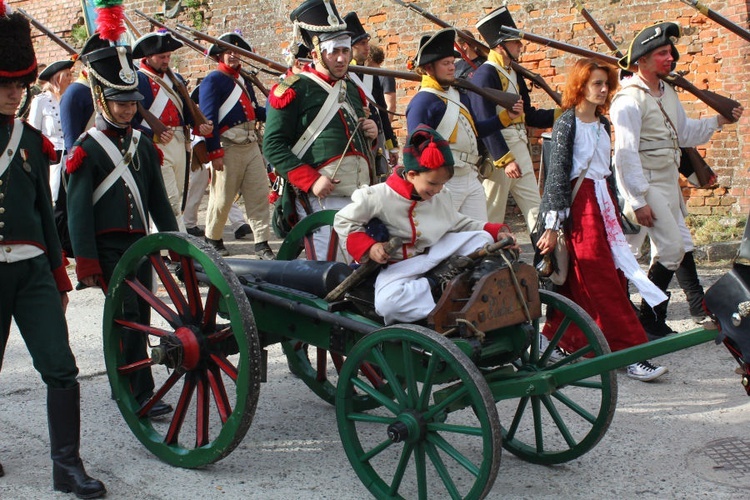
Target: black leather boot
(654, 320)
(64, 418)
(687, 276)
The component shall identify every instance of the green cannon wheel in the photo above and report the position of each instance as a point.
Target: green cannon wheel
(300, 238)
(558, 427)
(417, 444)
(319, 368)
(204, 352)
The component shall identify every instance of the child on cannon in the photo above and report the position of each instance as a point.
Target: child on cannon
(413, 206)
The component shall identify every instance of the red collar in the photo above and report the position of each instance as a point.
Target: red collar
(234, 73)
(147, 67)
(401, 186)
(325, 78)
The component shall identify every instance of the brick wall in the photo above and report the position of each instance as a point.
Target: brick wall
(715, 58)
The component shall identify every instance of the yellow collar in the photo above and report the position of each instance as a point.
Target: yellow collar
(429, 82)
(495, 57)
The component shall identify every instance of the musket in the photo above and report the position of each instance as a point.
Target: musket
(719, 19)
(692, 165)
(152, 121)
(52, 36)
(483, 49)
(504, 99)
(200, 49)
(228, 46)
(722, 105)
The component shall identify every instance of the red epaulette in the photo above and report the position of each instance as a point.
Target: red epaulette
(49, 149)
(75, 159)
(282, 93)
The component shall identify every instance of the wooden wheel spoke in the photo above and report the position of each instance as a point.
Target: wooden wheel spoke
(220, 335)
(138, 327)
(559, 422)
(192, 287)
(369, 371)
(135, 366)
(390, 376)
(211, 309)
(442, 471)
(574, 406)
(421, 466)
(180, 412)
(398, 475)
(517, 416)
(338, 361)
(309, 247)
(170, 285)
(536, 411)
(223, 405)
(225, 365)
(159, 394)
(155, 302)
(201, 412)
(333, 246)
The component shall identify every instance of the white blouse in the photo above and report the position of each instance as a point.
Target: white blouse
(591, 143)
(44, 115)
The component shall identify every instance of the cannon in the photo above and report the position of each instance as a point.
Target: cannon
(423, 410)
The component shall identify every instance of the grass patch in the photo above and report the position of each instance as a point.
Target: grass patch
(713, 228)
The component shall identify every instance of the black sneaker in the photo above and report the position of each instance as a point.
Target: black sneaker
(242, 231)
(195, 231)
(263, 251)
(218, 246)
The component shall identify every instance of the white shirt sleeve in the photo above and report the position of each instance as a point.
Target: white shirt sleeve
(626, 118)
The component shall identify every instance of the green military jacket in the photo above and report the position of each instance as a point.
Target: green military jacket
(116, 211)
(294, 104)
(26, 216)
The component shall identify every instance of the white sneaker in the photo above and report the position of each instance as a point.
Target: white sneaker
(645, 371)
(555, 356)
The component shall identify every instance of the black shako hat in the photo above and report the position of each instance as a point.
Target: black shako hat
(354, 26)
(19, 61)
(155, 43)
(230, 38)
(57, 66)
(489, 27)
(318, 18)
(111, 68)
(436, 47)
(649, 39)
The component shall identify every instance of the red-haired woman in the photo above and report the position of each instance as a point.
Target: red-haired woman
(600, 259)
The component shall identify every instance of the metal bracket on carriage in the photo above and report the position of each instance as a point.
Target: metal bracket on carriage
(495, 294)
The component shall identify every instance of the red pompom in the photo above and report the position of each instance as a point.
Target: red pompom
(75, 159)
(272, 197)
(2, 8)
(431, 157)
(109, 21)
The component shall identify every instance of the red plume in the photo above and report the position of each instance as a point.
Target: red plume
(109, 22)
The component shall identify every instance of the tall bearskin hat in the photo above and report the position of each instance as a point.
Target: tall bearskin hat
(490, 27)
(19, 61)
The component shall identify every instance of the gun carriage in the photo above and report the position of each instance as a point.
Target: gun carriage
(422, 410)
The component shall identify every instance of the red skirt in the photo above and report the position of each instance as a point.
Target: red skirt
(594, 283)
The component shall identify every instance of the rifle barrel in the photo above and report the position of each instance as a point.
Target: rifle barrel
(719, 19)
(59, 41)
(221, 43)
(721, 104)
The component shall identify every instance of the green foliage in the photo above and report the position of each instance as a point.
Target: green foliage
(198, 19)
(79, 35)
(192, 4)
(713, 228)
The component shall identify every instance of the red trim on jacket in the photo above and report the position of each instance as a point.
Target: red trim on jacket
(86, 267)
(61, 278)
(358, 244)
